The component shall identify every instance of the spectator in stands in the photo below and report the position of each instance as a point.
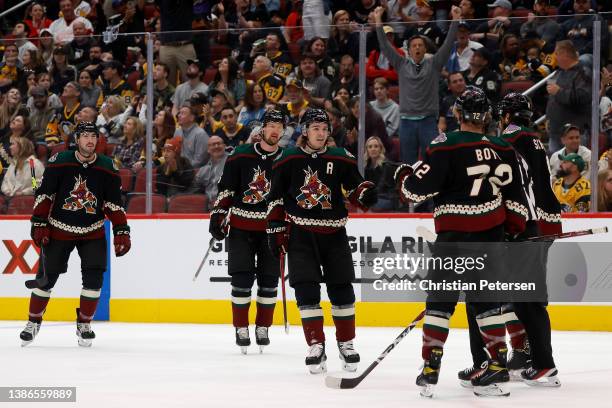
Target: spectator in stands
(400, 12)
(21, 32)
(127, 152)
(208, 176)
(228, 80)
(374, 124)
(378, 65)
(387, 108)
(114, 84)
(10, 107)
(44, 81)
(579, 30)
(493, 30)
(604, 190)
(569, 95)
(61, 72)
(211, 108)
(194, 138)
(315, 83)
(341, 100)
(571, 144)
(424, 25)
(419, 78)
(175, 174)
(47, 45)
(480, 75)
(94, 61)
(510, 62)
(342, 41)
(36, 20)
(539, 25)
(164, 127)
(254, 105)
(468, 14)
(32, 61)
(338, 130)
(91, 94)
(40, 113)
(281, 61)
(112, 116)
(21, 126)
(10, 71)
(297, 102)
(447, 121)
(317, 47)
(177, 40)
(18, 178)
(232, 132)
(361, 9)
(62, 27)
(347, 77)
(572, 190)
(194, 84)
(163, 90)
(273, 85)
(462, 51)
(293, 29)
(80, 45)
(314, 19)
(379, 171)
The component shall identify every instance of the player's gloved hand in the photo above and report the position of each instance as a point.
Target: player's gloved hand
(40, 231)
(278, 238)
(368, 196)
(402, 172)
(121, 241)
(217, 226)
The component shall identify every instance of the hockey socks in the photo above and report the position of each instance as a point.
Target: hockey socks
(266, 301)
(241, 301)
(344, 320)
(493, 332)
(312, 323)
(88, 305)
(435, 331)
(38, 304)
(515, 329)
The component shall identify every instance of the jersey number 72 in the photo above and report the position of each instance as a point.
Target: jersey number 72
(502, 175)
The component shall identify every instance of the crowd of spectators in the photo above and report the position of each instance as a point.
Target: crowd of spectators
(218, 65)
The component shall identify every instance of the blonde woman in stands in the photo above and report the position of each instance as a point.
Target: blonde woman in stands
(18, 179)
(604, 191)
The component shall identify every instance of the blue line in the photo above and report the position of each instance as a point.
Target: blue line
(103, 311)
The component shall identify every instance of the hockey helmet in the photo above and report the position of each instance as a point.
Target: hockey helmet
(84, 127)
(517, 105)
(274, 116)
(473, 104)
(314, 115)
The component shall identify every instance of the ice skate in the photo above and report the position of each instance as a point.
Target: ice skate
(428, 378)
(242, 339)
(261, 337)
(316, 359)
(519, 361)
(29, 333)
(542, 377)
(487, 384)
(465, 376)
(85, 334)
(348, 355)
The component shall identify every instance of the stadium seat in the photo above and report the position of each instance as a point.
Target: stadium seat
(137, 203)
(515, 86)
(21, 205)
(42, 152)
(2, 204)
(140, 185)
(295, 51)
(394, 93)
(209, 75)
(127, 180)
(394, 154)
(110, 149)
(218, 52)
(187, 204)
(60, 147)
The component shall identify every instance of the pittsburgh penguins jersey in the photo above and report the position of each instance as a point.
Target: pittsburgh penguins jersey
(528, 145)
(244, 186)
(273, 87)
(75, 196)
(474, 182)
(281, 64)
(307, 188)
(122, 89)
(573, 198)
(61, 125)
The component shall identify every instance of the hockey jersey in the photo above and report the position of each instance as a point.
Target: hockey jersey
(528, 145)
(574, 198)
(307, 188)
(474, 182)
(75, 196)
(61, 125)
(244, 186)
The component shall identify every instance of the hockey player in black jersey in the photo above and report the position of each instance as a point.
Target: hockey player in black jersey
(79, 190)
(477, 194)
(527, 323)
(243, 189)
(306, 219)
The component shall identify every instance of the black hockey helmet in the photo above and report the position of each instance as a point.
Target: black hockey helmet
(314, 115)
(517, 105)
(83, 127)
(275, 116)
(473, 104)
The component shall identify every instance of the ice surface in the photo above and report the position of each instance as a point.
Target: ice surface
(185, 365)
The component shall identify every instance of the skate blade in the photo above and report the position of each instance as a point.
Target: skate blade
(427, 391)
(492, 390)
(350, 367)
(552, 382)
(261, 348)
(318, 368)
(25, 343)
(466, 383)
(515, 375)
(85, 342)
(243, 349)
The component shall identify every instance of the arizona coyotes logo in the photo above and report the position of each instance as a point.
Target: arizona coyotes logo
(81, 197)
(259, 187)
(314, 192)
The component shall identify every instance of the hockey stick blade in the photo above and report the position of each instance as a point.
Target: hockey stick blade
(570, 234)
(210, 245)
(348, 383)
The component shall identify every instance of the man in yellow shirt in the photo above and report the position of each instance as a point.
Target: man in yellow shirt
(572, 190)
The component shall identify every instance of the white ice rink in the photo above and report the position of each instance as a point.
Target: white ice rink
(172, 365)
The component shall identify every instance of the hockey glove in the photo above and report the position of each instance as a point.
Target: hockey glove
(40, 231)
(369, 196)
(218, 228)
(121, 239)
(402, 172)
(278, 239)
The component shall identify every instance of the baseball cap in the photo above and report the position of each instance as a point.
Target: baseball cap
(114, 65)
(296, 83)
(198, 98)
(569, 126)
(215, 92)
(60, 50)
(388, 29)
(483, 52)
(502, 3)
(45, 31)
(195, 62)
(574, 158)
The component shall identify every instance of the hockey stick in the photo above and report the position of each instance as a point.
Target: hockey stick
(42, 280)
(283, 293)
(346, 383)
(211, 243)
(571, 234)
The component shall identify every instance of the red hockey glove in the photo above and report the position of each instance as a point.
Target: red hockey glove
(218, 228)
(278, 239)
(121, 239)
(40, 231)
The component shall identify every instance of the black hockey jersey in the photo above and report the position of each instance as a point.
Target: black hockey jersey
(528, 145)
(60, 127)
(244, 186)
(307, 188)
(75, 197)
(474, 181)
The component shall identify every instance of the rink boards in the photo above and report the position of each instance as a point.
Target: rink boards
(154, 282)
